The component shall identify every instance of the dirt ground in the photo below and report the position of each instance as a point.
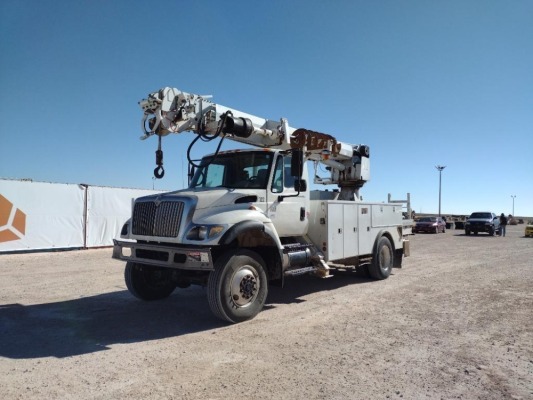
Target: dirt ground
(454, 323)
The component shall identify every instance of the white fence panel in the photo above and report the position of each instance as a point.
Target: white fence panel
(38, 215)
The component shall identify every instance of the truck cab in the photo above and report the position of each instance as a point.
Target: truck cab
(230, 197)
(264, 178)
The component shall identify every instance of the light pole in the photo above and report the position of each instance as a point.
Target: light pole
(440, 168)
(514, 197)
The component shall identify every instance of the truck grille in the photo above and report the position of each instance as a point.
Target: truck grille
(161, 219)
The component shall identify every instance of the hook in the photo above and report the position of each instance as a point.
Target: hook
(159, 172)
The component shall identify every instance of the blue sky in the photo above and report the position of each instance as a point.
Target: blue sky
(423, 83)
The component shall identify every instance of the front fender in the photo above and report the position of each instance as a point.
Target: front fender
(241, 227)
(247, 226)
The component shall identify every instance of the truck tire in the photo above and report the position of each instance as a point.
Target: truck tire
(237, 288)
(382, 259)
(467, 232)
(148, 283)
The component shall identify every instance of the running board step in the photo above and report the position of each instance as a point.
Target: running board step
(300, 271)
(308, 270)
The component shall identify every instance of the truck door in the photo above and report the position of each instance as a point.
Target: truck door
(290, 215)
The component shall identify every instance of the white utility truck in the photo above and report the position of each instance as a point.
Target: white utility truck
(248, 218)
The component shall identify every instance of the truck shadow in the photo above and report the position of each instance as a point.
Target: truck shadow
(480, 235)
(297, 287)
(94, 323)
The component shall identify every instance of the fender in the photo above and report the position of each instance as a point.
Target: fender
(381, 233)
(239, 228)
(397, 253)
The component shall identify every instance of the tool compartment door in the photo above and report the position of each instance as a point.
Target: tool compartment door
(335, 223)
(351, 230)
(342, 231)
(366, 233)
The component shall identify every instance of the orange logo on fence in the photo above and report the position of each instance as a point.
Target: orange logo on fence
(12, 221)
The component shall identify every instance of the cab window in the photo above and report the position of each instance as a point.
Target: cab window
(282, 175)
(277, 181)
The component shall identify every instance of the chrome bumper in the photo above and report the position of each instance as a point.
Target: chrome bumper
(198, 259)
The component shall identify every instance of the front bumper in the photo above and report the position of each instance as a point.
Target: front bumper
(425, 229)
(196, 259)
(480, 228)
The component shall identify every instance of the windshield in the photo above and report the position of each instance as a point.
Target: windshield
(428, 219)
(238, 170)
(482, 215)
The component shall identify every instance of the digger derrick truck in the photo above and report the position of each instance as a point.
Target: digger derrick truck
(248, 218)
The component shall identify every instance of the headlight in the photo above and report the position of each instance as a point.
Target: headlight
(197, 233)
(202, 232)
(124, 230)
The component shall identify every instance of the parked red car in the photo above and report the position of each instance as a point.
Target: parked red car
(430, 224)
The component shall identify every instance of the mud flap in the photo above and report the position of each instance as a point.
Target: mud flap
(406, 248)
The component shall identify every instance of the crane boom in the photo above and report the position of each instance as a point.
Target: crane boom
(171, 110)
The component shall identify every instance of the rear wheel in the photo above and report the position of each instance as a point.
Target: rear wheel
(237, 288)
(382, 260)
(148, 283)
(467, 232)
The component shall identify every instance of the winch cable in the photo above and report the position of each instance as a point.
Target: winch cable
(159, 171)
(207, 138)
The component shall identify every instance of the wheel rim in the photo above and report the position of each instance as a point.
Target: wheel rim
(385, 258)
(244, 286)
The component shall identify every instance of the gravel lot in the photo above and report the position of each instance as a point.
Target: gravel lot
(455, 322)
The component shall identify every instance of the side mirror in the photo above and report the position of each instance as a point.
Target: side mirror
(300, 185)
(297, 163)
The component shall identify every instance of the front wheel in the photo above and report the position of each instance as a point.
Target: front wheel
(382, 260)
(148, 283)
(237, 288)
